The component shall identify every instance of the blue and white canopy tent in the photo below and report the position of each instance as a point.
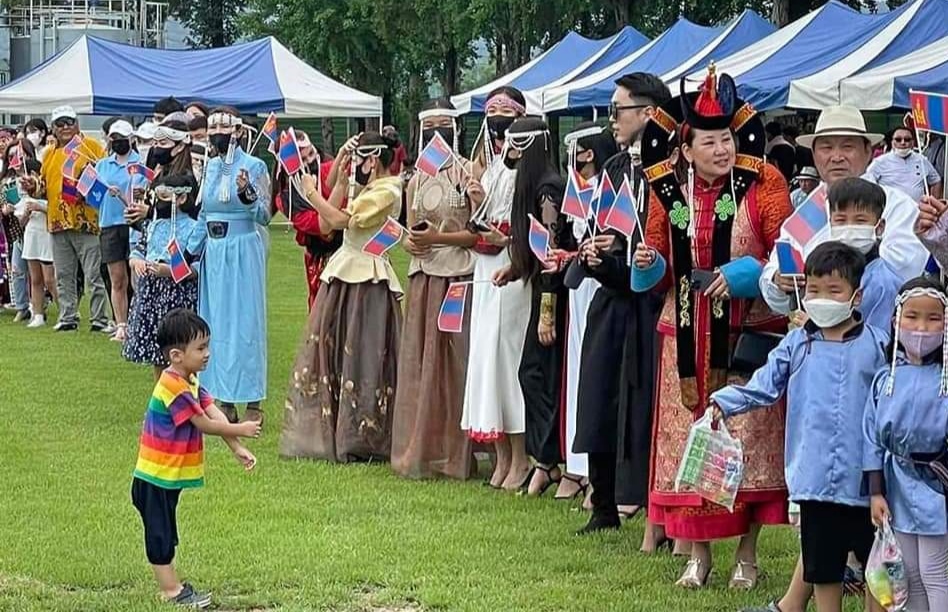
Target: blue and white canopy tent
(832, 42)
(680, 48)
(887, 86)
(101, 77)
(574, 53)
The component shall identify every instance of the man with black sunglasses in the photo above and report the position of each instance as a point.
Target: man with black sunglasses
(636, 97)
(73, 225)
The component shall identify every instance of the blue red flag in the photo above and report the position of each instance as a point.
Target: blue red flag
(539, 239)
(387, 237)
(602, 203)
(73, 145)
(289, 152)
(451, 315)
(930, 111)
(789, 259)
(621, 216)
(141, 170)
(180, 269)
(809, 219)
(69, 165)
(69, 195)
(16, 159)
(87, 180)
(579, 195)
(434, 156)
(269, 130)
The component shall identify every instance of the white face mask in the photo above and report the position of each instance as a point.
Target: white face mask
(860, 237)
(903, 152)
(34, 138)
(827, 313)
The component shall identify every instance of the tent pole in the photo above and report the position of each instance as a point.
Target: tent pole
(595, 114)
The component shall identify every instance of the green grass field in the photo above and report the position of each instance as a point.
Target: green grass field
(291, 535)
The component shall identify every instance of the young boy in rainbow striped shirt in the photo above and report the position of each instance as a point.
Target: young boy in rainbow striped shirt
(171, 447)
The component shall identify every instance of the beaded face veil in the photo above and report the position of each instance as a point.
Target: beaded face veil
(900, 303)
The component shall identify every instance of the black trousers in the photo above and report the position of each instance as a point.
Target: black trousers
(602, 477)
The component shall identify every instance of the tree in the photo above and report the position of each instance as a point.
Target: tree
(213, 23)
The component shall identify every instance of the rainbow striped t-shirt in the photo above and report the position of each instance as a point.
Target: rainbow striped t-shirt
(171, 449)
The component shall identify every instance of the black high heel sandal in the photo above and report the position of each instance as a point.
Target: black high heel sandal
(581, 491)
(550, 481)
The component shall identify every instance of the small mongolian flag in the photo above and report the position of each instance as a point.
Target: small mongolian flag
(579, 195)
(69, 195)
(73, 145)
(269, 130)
(789, 259)
(387, 237)
(602, 203)
(434, 156)
(180, 269)
(87, 180)
(16, 160)
(809, 219)
(69, 165)
(621, 216)
(539, 239)
(289, 152)
(451, 315)
(141, 170)
(930, 111)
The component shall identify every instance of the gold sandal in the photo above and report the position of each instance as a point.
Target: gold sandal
(693, 577)
(739, 580)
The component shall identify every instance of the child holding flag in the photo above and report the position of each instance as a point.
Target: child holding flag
(826, 369)
(173, 217)
(905, 423)
(339, 405)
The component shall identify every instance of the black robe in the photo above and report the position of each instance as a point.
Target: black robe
(541, 367)
(617, 368)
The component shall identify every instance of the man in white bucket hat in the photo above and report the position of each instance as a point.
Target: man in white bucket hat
(842, 148)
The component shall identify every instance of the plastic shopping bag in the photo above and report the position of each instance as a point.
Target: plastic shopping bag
(885, 571)
(713, 463)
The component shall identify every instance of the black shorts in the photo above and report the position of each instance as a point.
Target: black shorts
(828, 532)
(157, 507)
(113, 242)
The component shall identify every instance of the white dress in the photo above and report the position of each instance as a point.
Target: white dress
(37, 244)
(579, 301)
(493, 400)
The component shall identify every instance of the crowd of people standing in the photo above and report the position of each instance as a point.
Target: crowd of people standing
(585, 371)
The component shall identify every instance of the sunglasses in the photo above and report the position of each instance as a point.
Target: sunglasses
(902, 140)
(615, 107)
(64, 122)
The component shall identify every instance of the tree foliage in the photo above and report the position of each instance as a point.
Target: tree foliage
(212, 23)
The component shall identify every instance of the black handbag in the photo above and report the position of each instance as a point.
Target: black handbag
(751, 351)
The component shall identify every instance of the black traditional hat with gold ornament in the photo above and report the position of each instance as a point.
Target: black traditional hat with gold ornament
(716, 106)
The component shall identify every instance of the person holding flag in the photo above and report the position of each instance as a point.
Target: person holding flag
(173, 218)
(539, 194)
(341, 395)
(426, 437)
(493, 400)
(708, 235)
(590, 146)
(113, 172)
(73, 224)
(288, 198)
(235, 201)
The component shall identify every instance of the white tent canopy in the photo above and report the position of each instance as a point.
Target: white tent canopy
(101, 77)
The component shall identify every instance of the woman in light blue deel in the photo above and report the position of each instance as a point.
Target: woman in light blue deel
(232, 294)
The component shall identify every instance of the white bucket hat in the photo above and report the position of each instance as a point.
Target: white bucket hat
(807, 172)
(840, 121)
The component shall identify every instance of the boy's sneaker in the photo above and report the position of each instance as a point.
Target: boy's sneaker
(189, 598)
(771, 607)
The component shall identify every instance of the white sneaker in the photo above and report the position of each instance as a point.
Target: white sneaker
(36, 321)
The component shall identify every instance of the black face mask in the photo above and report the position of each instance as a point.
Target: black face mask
(446, 132)
(579, 165)
(121, 147)
(220, 142)
(161, 155)
(497, 126)
(361, 176)
(511, 163)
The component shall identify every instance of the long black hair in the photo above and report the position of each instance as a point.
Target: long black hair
(533, 165)
(603, 145)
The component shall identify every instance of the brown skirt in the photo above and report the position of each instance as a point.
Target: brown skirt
(427, 439)
(343, 383)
